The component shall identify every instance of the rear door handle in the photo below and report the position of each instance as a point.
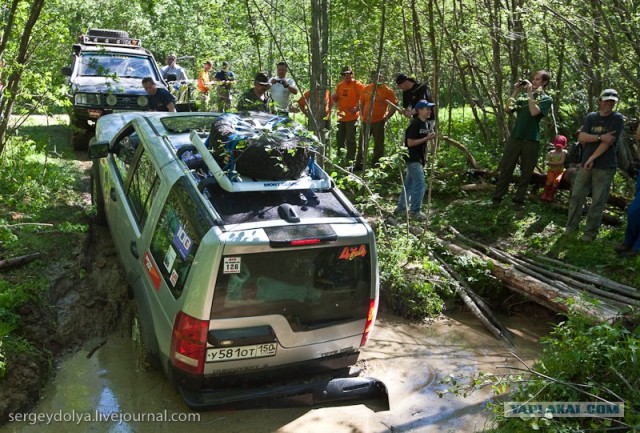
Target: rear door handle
(112, 194)
(134, 249)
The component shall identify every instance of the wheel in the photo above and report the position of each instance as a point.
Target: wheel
(97, 197)
(146, 359)
(108, 33)
(81, 133)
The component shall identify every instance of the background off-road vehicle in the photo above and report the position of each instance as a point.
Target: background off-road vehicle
(105, 76)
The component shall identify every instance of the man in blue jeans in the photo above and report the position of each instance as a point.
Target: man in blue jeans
(600, 132)
(416, 137)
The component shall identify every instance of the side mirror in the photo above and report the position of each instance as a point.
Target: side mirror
(98, 149)
(172, 77)
(66, 71)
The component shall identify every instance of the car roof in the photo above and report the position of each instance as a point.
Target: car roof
(108, 49)
(261, 200)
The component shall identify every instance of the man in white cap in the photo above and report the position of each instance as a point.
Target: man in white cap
(600, 131)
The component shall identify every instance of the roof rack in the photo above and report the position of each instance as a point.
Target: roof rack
(114, 41)
(320, 181)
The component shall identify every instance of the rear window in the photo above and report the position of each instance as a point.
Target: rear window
(311, 288)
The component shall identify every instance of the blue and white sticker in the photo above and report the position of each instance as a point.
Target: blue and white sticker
(231, 265)
(182, 242)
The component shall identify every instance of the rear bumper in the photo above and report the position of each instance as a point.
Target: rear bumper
(331, 392)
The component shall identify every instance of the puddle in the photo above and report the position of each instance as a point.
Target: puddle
(110, 393)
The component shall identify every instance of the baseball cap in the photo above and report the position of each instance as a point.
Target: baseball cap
(261, 77)
(423, 103)
(561, 141)
(346, 70)
(225, 63)
(401, 78)
(609, 95)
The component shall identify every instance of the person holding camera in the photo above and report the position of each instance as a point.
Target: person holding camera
(530, 104)
(281, 89)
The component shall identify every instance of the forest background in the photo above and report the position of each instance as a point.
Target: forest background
(469, 52)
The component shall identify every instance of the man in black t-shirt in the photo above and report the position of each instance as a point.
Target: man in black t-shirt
(159, 99)
(598, 163)
(412, 92)
(416, 137)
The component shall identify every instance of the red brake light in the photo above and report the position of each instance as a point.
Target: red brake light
(371, 315)
(189, 343)
(300, 242)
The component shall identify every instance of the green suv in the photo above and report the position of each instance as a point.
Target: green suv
(249, 291)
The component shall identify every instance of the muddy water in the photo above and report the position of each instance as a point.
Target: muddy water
(411, 359)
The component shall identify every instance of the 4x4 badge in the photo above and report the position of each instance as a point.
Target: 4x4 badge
(350, 253)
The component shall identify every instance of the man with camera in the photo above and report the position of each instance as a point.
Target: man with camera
(530, 104)
(281, 89)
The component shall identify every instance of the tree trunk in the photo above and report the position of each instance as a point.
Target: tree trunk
(21, 61)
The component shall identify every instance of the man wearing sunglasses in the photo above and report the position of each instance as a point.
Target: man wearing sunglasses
(598, 136)
(256, 98)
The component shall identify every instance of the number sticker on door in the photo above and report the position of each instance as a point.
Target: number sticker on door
(232, 265)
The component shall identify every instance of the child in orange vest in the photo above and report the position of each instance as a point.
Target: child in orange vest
(555, 162)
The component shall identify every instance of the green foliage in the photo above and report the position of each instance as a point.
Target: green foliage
(410, 281)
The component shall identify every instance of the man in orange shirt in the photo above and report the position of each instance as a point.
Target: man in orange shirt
(346, 97)
(305, 101)
(375, 116)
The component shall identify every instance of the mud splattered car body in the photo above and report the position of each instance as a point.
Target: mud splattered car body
(249, 291)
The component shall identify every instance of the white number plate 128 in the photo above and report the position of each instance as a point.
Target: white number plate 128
(242, 352)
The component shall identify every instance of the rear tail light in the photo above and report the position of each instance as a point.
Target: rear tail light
(371, 315)
(189, 343)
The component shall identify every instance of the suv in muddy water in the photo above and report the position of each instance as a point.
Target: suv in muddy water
(250, 291)
(105, 76)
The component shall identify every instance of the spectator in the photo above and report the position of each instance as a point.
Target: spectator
(555, 161)
(412, 92)
(256, 98)
(415, 138)
(630, 246)
(159, 98)
(281, 89)
(172, 68)
(531, 105)
(225, 79)
(600, 132)
(375, 116)
(347, 96)
(572, 161)
(204, 84)
(305, 100)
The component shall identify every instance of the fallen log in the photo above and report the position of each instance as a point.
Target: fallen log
(585, 275)
(476, 305)
(544, 294)
(18, 261)
(471, 161)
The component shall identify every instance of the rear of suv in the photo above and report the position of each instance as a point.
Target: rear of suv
(105, 76)
(248, 290)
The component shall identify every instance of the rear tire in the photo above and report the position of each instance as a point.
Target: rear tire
(97, 197)
(146, 359)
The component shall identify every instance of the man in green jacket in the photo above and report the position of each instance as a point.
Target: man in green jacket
(530, 104)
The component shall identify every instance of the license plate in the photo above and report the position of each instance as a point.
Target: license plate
(242, 352)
